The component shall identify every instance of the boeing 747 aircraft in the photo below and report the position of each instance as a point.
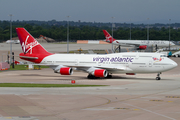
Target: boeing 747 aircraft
(95, 65)
(139, 44)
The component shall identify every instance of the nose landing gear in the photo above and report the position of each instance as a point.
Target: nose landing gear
(158, 76)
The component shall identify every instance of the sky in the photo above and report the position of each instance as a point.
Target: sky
(119, 11)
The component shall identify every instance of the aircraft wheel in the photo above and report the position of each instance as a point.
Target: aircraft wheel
(158, 78)
(91, 76)
(109, 76)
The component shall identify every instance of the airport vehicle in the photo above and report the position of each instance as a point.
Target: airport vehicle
(95, 65)
(176, 54)
(139, 44)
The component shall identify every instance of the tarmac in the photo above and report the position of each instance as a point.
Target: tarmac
(125, 98)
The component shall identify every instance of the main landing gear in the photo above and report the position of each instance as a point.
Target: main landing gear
(158, 76)
(118, 48)
(90, 76)
(109, 76)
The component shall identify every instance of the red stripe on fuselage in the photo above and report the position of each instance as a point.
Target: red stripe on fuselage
(39, 56)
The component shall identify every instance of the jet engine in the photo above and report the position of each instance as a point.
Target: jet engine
(62, 70)
(142, 47)
(100, 73)
(66, 71)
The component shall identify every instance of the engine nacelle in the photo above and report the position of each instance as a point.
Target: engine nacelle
(142, 47)
(66, 71)
(100, 73)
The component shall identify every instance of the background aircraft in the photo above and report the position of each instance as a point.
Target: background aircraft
(139, 44)
(18, 62)
(13, 41)
(95, 65)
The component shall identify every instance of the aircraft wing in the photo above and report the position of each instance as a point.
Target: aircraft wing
(120, 68)
(92, 68)
(88, 68)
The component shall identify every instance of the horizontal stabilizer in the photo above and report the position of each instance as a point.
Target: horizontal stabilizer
(27, 57)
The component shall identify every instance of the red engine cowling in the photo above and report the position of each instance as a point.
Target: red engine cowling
(66, 71)
(142, 47)
(100, 73)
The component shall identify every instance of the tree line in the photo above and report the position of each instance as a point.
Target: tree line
(86, 32)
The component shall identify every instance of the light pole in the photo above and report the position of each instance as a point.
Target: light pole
(148, 31)
(148, 34)
(10, 38)
(130, 29)
(68, 34)
(112, 35)
(169, 34)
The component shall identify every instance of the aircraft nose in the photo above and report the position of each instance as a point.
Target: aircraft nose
(174, 64)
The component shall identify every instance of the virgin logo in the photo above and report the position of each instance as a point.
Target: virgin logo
(29, 46)
(108, 37)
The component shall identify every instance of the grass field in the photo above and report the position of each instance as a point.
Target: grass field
(25, 67)
(44, 85)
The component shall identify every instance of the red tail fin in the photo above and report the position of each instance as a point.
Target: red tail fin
(109, 38)
(28, 43)
(33, 51)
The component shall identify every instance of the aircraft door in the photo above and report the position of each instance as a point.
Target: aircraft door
(137, 55)
(150, 63)
(77, 62)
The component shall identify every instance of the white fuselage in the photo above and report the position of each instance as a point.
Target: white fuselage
(114, 63)
(143, 42)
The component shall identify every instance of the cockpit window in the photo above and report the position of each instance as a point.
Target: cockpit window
(163, 56)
